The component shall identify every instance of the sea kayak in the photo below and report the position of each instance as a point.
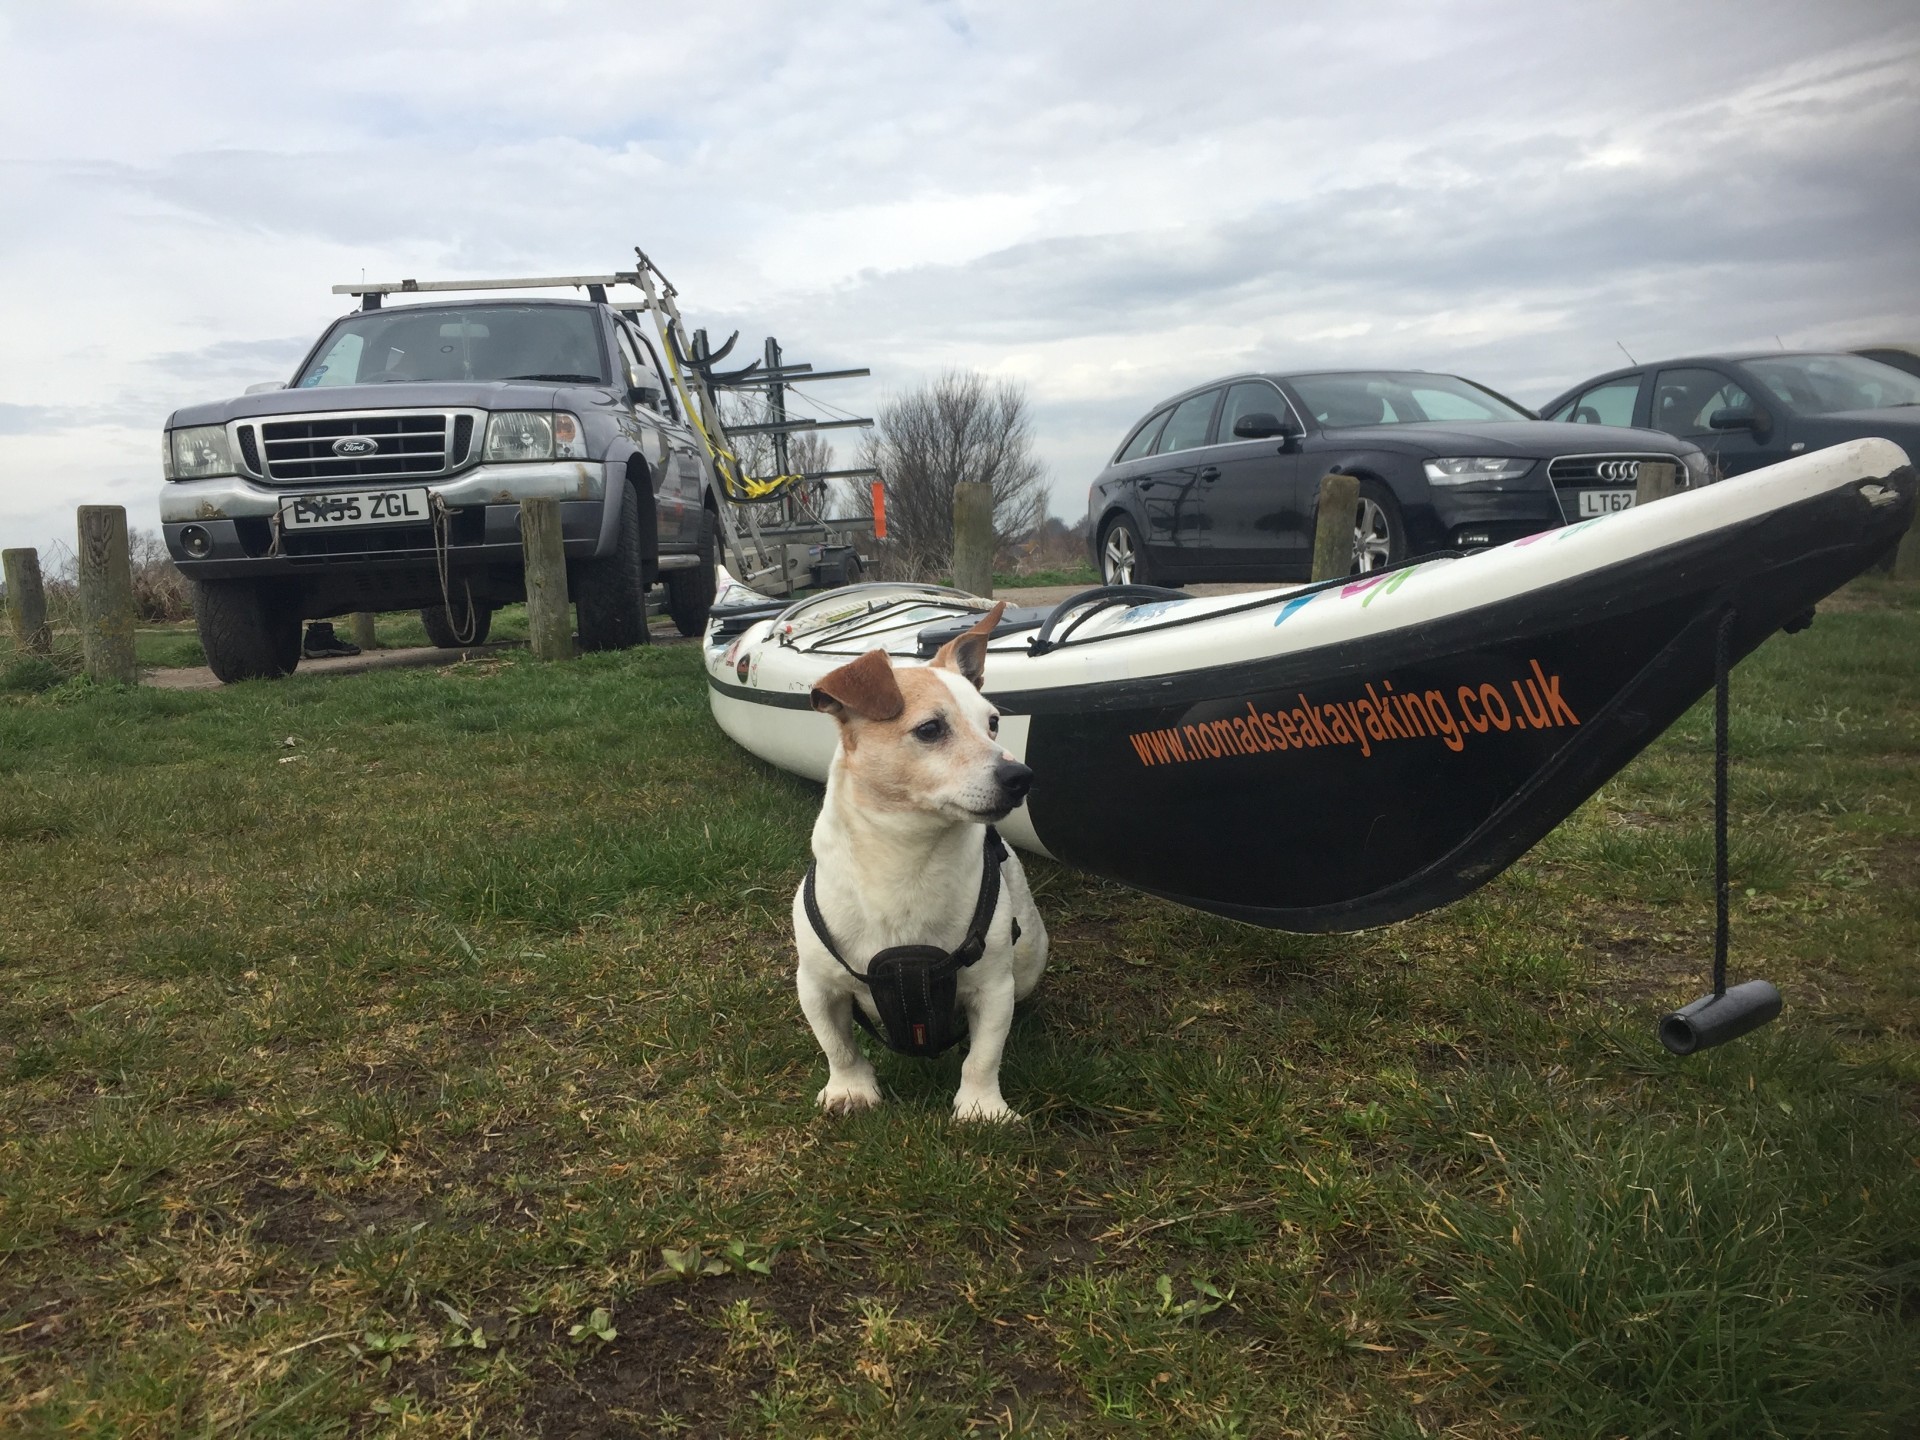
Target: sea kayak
(1337, 756)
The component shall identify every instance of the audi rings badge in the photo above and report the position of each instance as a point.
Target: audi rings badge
(1625, 472)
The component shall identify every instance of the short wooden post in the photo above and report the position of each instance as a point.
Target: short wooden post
(1656, 481)
(363, 635)
(1335, 525)
(27, 601)
(549, 616)
(106, 595)
(973, 537)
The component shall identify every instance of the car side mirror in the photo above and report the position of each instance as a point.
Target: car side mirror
(1737, 417)
(1262, 426)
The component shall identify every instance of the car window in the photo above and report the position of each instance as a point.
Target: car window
(1143, 438)
(1685, 399)
(1250, 397)
(341, 364)
(637, 356)
(1398, 397)
(1829, 384)
(1451, 405)
(1187, 426)
(1608, 404)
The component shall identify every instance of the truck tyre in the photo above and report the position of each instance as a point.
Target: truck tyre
(247, 632)
(690, 592)
(611, 593)
(445, 627)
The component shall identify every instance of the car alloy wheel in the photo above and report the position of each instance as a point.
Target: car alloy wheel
(1118, 558)
(1372, 537)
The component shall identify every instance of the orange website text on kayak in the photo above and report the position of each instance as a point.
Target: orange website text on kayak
(1380, 716)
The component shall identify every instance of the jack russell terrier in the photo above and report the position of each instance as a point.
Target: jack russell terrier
(914, 918)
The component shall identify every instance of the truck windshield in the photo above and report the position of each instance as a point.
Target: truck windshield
(482, 342)
(1399, 398)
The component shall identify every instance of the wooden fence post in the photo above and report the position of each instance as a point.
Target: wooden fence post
(549, 616)
(1906, 560)
(27, 601)
(1334, 524)
(973, 537)
(363, 635)
(1656, 481)
(106, 595)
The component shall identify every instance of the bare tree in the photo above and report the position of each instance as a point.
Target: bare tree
(960, 427)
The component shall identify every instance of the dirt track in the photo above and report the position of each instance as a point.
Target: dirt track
(199, 677)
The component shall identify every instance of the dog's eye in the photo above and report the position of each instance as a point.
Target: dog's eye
(931, 730)
(993, 725)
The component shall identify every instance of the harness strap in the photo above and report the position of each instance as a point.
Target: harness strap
(969, 950)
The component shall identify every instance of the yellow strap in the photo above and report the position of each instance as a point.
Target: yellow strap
(726, 464)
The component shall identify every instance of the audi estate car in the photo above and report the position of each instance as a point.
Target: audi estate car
(1222, 481)
(1746, 411)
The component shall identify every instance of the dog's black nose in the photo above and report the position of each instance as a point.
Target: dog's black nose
(1014, 779)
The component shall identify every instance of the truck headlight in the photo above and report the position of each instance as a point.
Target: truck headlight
(569, 443)
(200, 452)
(1466, 470)
(520, 435)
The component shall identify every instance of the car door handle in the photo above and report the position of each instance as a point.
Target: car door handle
(1212, 472)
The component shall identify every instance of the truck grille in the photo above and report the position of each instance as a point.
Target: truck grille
(381, 445)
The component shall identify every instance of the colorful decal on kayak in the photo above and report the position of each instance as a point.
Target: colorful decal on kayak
(1372, 589)
(1383, 714)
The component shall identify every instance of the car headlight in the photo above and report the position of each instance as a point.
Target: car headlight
(1699, 468)
(1466, 470)
(199, 452)
(535, 435)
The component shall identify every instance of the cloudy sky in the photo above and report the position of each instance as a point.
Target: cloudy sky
(1104, 201)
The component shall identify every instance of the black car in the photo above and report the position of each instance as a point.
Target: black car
(1222, 482)
(1746, 411)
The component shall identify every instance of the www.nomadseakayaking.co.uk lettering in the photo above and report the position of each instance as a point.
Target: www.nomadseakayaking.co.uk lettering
(1381, 716)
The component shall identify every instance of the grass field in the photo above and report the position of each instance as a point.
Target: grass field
(415, 1053)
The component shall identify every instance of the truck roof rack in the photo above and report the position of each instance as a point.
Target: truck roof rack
(371, 291)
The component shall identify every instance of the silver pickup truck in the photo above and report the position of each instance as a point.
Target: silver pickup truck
(388, 474)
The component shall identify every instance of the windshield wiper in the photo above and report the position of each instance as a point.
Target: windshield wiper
(573, 379)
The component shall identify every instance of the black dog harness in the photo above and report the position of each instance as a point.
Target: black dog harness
(916, 987)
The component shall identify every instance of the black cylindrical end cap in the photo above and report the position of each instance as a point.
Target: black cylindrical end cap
(1715, 1019)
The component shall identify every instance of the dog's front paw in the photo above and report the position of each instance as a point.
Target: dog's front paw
(844, 1097)
(983, 1107)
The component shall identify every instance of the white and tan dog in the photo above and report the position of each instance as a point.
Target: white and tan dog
(899, 854)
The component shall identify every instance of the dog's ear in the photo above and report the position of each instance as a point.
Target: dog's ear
(968, 653)
(865, 687)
